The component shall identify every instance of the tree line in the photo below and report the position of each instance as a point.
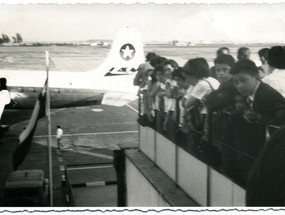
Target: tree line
(15, 39)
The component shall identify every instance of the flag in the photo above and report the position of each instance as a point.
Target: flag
(26, 137)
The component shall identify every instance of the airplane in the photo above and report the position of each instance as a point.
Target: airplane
(109, 84)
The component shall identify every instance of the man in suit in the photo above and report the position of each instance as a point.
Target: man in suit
(266, 107)
(265, 103)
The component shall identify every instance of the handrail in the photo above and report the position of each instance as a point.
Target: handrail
(213, 146)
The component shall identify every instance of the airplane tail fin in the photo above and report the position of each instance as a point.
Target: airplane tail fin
(126, 53)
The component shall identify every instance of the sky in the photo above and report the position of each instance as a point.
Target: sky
(238, 23)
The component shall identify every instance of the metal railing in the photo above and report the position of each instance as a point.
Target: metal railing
(231, 153)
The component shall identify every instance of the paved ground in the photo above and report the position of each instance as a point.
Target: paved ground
(90, 134)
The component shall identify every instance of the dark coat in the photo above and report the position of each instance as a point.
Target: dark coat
(223, 97)
(266, 185)
(270, 104)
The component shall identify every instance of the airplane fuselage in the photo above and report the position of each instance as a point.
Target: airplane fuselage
(25, 97)
(67, 89)
(111, 82)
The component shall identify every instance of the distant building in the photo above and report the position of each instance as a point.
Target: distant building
(100, 44)
(177, 43)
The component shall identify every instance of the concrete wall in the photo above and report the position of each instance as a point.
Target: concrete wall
(140, 193)
(195, 177)
(147, 142)
(192, 176)
(165, 155)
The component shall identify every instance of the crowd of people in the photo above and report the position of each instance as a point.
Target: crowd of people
(241, 103)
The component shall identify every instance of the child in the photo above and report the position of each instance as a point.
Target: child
(224, 96)
(169, 66)
(179, 92)
(142, 80)
(267, 105)
(243, 53)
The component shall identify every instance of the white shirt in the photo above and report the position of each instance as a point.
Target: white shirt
(170, 103)
(188, 92)
(203, 88)
(4, 100)
(59, 133)
(5, 97)
(276, 80)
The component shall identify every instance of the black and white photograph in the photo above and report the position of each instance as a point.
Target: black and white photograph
(142, 105)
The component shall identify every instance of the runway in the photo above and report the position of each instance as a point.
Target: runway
(90, 135)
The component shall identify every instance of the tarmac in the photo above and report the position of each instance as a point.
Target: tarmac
(90, 136)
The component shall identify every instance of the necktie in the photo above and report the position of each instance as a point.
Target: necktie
(249, 102)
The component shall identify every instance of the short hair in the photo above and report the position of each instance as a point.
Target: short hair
(159, 69)
(263, 53)
(178, 73)
(245, 65)
(58, 126)
(197, 67)
(149, 56)
(3, 83)
(276, 57)
(221, 50)
(225, 59)
(158, 60)
(241, 51)
(171, 62)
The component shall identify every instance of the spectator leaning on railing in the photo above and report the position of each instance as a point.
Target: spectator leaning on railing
(179, 92)
(220, 51)
(196, 73)
(266, 104)
(224, 96)
(141, 80)
(169, 66)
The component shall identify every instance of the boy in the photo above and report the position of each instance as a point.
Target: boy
(224, 95)
(266, 104)
(243, 53)
(179, 92)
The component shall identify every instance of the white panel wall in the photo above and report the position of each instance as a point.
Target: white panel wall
(140, 193)
(220, 189)
(147, 142)
(191, 173)
(192, 176)
(165, 155)
(224, 192)
(238, 196)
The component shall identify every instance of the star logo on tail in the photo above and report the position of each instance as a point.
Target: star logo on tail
(127, 51)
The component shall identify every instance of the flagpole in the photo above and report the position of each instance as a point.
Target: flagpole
(49, 132)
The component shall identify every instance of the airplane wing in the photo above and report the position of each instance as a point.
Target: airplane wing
(12, 117)
(117, 99)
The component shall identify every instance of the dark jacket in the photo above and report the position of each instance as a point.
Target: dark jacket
(270, 104)
(223, 97)
(266, 185)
